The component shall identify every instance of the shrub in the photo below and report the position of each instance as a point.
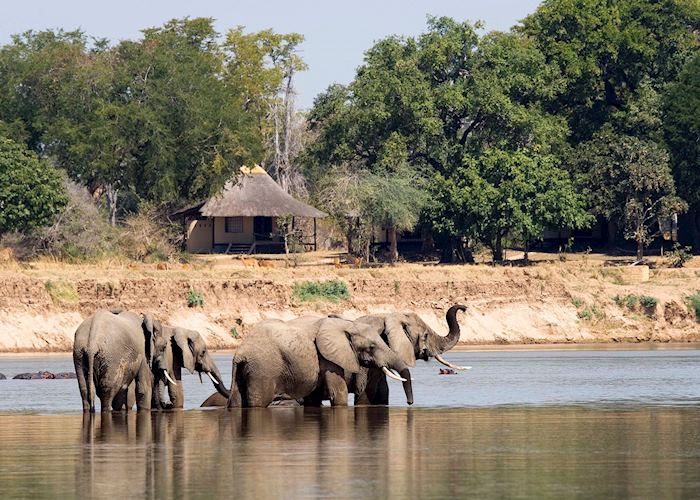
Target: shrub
(632, 301)
(648, 302)
(693, 302)
(679, 255)
(333, 290)
(194, 298)
(591, 312)
(234, 332)
(62, 292)
(147, 236)
(576, 302)
(619, 300)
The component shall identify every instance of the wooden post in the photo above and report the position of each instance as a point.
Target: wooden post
(315, 248)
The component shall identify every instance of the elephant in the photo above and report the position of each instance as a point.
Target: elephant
(175, 348)
(310, 358)
(111, 351)
(411, 338)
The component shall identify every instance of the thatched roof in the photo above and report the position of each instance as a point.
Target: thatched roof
(256, 194)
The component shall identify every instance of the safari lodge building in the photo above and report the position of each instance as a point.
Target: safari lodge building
(243, 217)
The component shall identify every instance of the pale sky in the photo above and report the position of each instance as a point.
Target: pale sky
(337, 33)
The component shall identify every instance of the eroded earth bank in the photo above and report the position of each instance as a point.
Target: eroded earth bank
(552, 302)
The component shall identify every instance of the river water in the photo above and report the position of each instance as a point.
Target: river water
(536, 424)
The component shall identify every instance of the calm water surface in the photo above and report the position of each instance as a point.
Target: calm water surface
(547, 424)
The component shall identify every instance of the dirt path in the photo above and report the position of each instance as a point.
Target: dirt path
(578, 301)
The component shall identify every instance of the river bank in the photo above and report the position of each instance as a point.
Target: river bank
(583, 301)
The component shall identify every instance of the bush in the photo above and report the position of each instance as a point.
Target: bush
(194, 298)
(648, 302)
(80, 231)
(149, 237)
(619, 300)
(591, 312)
(693, 302)
(234, 332)
(632, 301)
(333, 290)
(576, 302)
(679, 255)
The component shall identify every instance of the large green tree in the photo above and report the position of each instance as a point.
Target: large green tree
(682, 132)
(31, 190)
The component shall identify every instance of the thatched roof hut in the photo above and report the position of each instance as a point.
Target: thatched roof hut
(242, 217)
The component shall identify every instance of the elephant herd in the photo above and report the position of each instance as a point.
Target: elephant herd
(125, 358)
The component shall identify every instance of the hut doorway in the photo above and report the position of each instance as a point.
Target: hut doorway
(262, 227)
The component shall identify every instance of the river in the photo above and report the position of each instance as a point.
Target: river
(535, 424)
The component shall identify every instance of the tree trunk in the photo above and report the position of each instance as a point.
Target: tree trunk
(393, 247)
(526, 257)
(497, 249)
(112, 195)
(640, 249)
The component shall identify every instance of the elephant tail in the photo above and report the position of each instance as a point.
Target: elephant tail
(89, 370)
(238, 387)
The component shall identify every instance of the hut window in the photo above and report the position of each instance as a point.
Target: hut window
(234, 224)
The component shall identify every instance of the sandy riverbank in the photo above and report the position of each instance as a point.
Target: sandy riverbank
(580, 301)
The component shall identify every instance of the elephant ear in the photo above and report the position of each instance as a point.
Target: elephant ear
(149, 333)
(333, 342)
(182, 339)
(395, 325)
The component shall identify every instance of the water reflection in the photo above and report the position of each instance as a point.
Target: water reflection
(355, 452)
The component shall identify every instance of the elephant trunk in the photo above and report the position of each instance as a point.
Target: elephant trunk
(407, 387)
(220, 388)
(448, 342)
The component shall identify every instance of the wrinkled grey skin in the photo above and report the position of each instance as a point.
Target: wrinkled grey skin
(111, 352)
(310, 358)
(175, 348)
(411, 338)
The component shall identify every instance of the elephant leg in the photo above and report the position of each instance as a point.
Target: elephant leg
(377, 390)
(131, 396)
(260, 393)
(336, 388)
(106, 399)
(82, 382)
(120, 400)
(144, 387)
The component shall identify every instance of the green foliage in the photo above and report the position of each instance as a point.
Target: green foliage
(332, 290)
(631, 302)
(693, 302)
(679, 255)
(62, 292)
(576, 302)
(630, 179)
(31, 191)
(503, 192)
(590, 313)
(234, 332)
(648, 302)
(681, 126)
(194, 298)
(619, 300)
(164, 118)
(397, 287)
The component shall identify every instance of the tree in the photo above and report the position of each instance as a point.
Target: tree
(681, 130)
(31, 190)
(628, 179)
(501, 192)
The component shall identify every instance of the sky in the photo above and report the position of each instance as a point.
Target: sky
(337, 33)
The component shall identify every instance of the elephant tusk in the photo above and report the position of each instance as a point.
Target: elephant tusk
(167, 376)
(450, 365)
(395, 372)
(213, 378)
(391, 374)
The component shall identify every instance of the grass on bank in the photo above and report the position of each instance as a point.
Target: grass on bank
(693, 302)
(62, 292)
(333, 290)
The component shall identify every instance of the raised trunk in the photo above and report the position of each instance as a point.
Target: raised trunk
(448, 342)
